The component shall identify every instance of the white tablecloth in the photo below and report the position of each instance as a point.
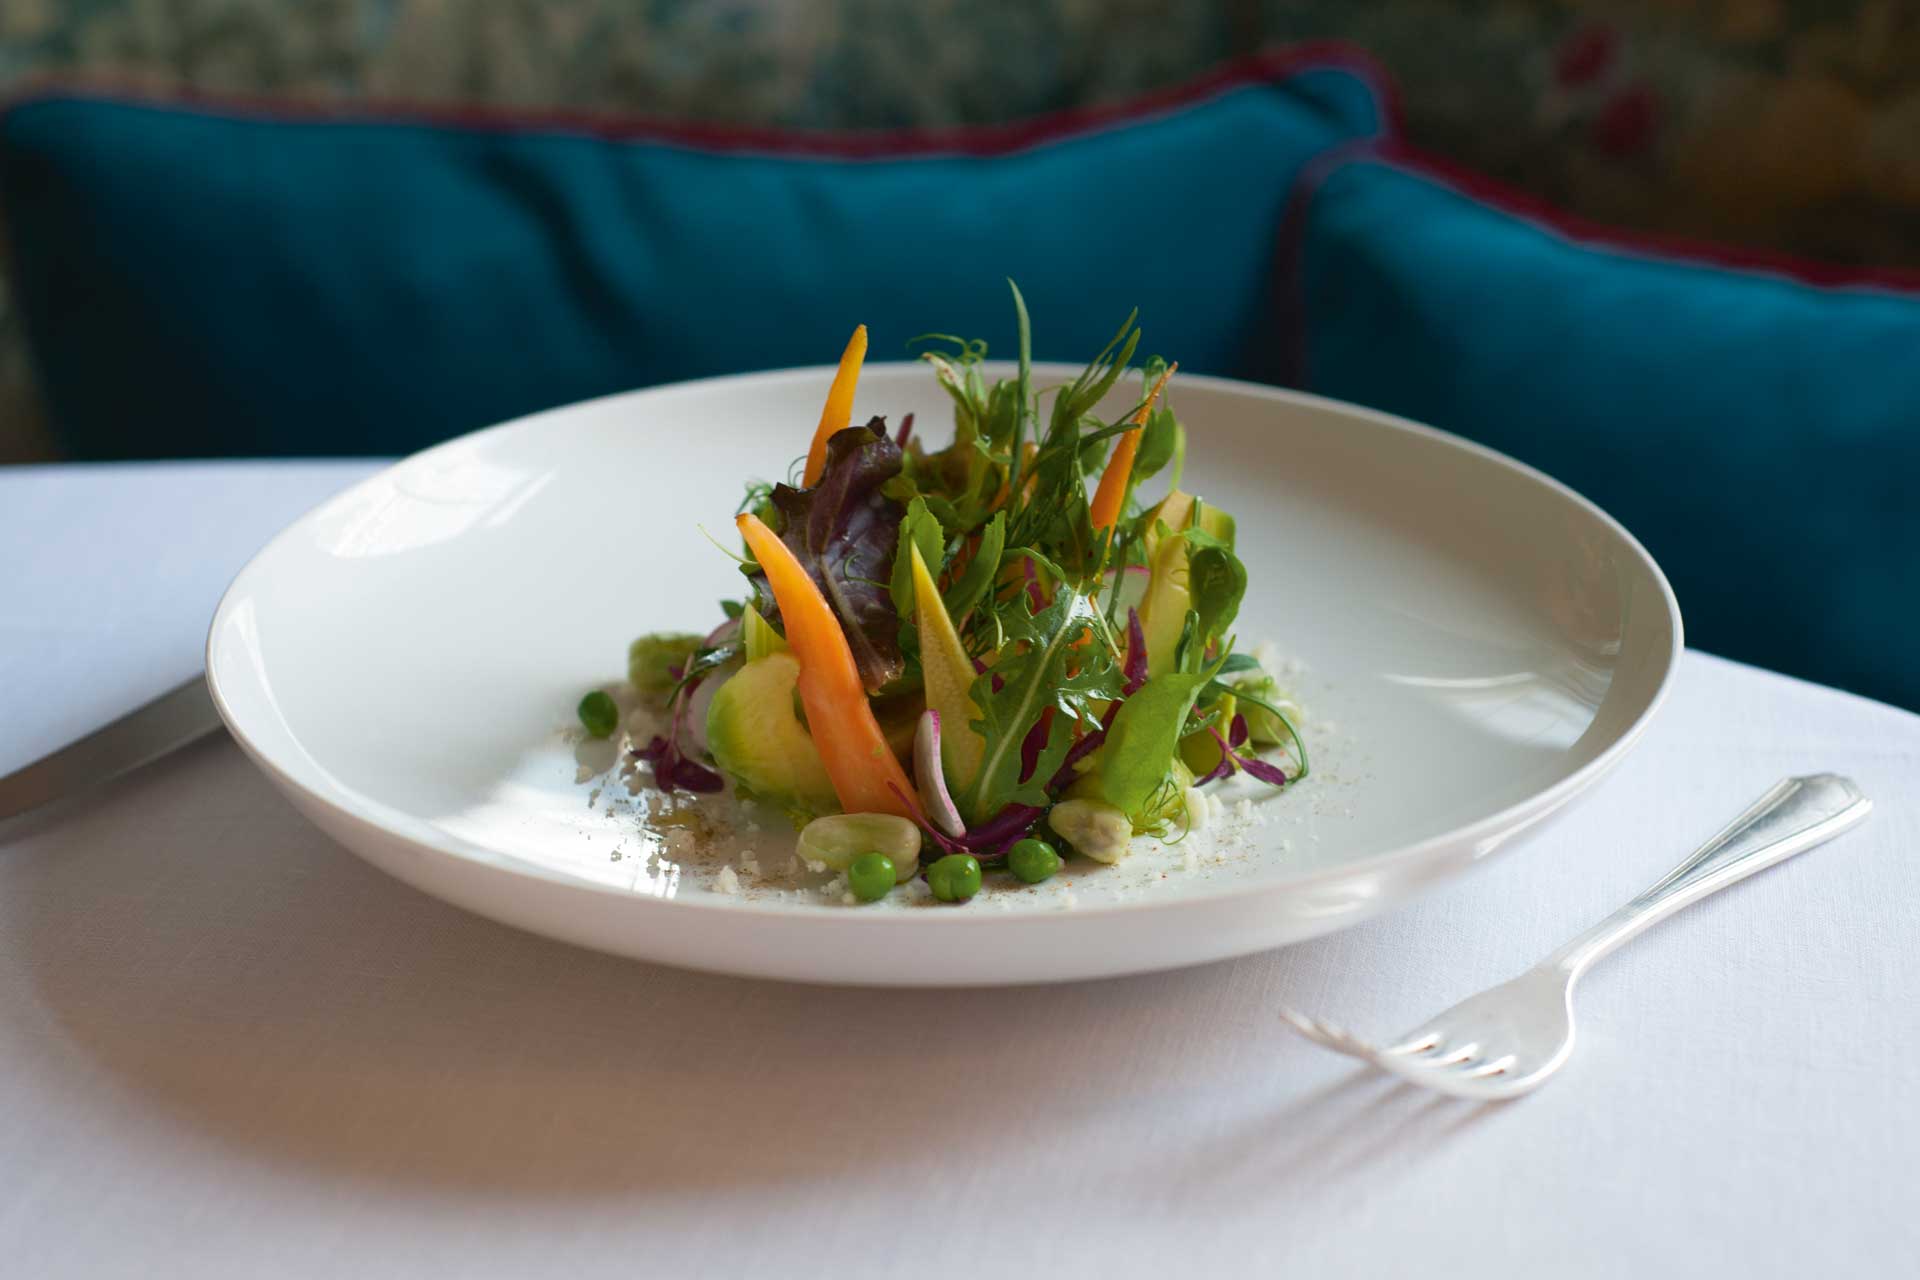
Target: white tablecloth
(228, 1048)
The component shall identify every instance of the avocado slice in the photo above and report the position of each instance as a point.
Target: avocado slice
(1200, 752)
(1163, 611)
(1214, 520)
(759, 742)
(1174, 511)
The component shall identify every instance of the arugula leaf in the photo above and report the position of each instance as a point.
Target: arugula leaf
(981, 570)
(845, 531)
(919, 528)
(1044, 662)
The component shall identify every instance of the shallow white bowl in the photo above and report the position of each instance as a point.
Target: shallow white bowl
(1478, 644)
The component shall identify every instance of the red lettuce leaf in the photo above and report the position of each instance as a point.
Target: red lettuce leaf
(845, 532)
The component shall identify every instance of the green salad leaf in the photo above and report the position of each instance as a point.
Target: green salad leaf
(921, 529)
(1145, 738)
(1054, 658)
(1217, 582)
(981, 571)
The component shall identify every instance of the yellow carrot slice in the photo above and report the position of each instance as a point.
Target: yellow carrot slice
(1113, 481)
(862, 766)
(839, 408)
(948, 677)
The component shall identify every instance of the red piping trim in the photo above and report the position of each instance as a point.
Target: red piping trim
(1290, 252)
(1290, 246)
(1265, 66)
(1658, 246)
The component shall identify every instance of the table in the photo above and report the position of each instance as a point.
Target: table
(228, 1048)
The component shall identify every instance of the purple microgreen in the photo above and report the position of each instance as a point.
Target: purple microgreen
(991, 838)
(1136, 668)
(1260, 769)
(673, 771)
(1063, 776)
(1222, 769)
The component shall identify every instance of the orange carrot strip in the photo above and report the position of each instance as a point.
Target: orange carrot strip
(1113, 481)
(865, 773)
(839, 408)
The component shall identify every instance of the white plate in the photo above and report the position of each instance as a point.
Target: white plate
(1479, 644)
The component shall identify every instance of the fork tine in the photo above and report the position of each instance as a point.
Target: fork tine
(1326, 1034)
(1497, 1066)
(1460, 1055)
(1425, 1042)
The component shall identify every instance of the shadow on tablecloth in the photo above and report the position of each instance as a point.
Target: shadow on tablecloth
(195, 939)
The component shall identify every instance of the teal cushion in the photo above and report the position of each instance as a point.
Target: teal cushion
(201, 281)
(1759, 433)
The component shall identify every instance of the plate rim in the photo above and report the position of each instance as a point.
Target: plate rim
(1513, 819)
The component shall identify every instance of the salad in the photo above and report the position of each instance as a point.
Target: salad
(985, 656)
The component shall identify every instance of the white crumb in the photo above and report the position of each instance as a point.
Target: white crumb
(1199, 808)
(727, 881)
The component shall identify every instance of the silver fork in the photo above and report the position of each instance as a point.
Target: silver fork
(1509, 1040)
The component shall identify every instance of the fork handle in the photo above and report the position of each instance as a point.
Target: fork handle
(1792, 817)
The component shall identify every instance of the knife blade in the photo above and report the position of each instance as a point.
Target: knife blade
(169, 722)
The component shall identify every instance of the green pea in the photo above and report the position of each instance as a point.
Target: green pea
(1033, 860)
(599, 714)
(954, 878)
(870, 876)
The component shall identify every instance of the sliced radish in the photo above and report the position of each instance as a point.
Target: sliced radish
(930, 780)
